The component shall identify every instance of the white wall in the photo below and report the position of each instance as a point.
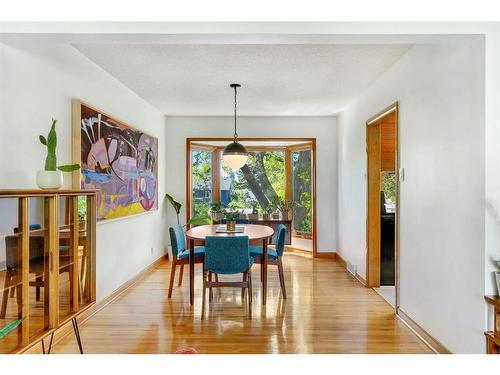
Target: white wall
(441, 94)
(321, 128)
(38, 82)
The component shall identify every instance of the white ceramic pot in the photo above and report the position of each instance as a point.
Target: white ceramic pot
(497, 278)
(49, 179)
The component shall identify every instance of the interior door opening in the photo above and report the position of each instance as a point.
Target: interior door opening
(382, 203)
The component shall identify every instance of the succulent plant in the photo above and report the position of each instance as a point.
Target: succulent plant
(51, 160)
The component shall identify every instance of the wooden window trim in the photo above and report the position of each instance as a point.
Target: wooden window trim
(309, 143)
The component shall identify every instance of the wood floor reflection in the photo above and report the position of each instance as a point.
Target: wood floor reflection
(326, 312)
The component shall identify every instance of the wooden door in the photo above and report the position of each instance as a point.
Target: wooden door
(373, 216)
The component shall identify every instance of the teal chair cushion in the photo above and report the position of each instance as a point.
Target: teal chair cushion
(227, 255)
(258, 252)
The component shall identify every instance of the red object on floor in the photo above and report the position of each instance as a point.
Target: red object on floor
(186, 351)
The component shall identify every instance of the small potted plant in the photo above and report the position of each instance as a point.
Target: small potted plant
(51, 177)
(283, 207)
(216, 210)
(231, 216)
(268, 212)
(276, 204)
(255, 212)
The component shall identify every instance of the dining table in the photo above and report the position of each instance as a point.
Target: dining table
(254, 232)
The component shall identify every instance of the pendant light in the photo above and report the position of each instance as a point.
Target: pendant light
(235, 155)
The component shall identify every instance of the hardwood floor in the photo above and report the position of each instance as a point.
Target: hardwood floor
(327, 311)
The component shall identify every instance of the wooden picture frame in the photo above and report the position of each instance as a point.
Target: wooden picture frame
(117, 159)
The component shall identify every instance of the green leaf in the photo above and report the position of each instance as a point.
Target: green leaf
(69, 167)
(176, 205)
(200, 220)
(42, 139)
(10, 327)
(52, 138)
(50, 162)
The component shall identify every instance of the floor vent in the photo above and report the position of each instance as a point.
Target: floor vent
(351, 268)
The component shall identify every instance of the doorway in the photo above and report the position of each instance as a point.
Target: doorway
(382, 203)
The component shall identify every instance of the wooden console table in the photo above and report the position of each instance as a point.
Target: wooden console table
(493, 337)
(47, 263)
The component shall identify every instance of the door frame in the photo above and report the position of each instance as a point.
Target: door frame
(394, 107)
(190, 142)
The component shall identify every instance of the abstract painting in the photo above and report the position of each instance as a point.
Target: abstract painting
(118, 160)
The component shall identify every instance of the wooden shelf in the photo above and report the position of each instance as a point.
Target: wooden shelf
(51, 286)
(5, 193)
(493, 337)
(493, 300)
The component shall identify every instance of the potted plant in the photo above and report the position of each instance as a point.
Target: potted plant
(284, 207)
(51, 177)
(217, 209)
(255, 212)
(268, 212)
(231, 216)
(176, 205)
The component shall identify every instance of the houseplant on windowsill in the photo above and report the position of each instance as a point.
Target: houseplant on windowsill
(255, 212)
(231, 216)
(51, 177)
(285, 207)
(216, 210)
(268, 211)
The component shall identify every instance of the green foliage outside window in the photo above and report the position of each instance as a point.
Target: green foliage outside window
(389, 181)
(258, 184)
(201, 181)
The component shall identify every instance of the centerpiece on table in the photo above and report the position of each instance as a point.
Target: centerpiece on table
(231, 216)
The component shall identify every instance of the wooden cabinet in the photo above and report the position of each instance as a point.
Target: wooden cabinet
(47, 262)
(493, 337)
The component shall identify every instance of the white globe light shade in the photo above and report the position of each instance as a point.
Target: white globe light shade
(235, 161)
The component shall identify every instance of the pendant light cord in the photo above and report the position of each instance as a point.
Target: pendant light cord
(235, 133)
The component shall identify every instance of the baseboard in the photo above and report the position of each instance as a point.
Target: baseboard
(428, 340)
(341, 260)
(290, 249)
(326, 255)
(360, 279)
(343, 263)
(67, 328)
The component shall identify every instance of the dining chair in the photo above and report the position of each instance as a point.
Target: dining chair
(274, 256)
(227, 256)
(37, 260)
(180, 254)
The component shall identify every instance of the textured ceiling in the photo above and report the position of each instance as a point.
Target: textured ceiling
(277, 80)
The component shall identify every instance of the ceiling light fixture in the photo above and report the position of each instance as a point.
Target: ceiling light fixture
(235, 155)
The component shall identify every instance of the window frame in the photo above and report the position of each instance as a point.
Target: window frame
(306, 143)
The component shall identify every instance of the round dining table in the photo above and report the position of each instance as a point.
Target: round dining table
(254, 233)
